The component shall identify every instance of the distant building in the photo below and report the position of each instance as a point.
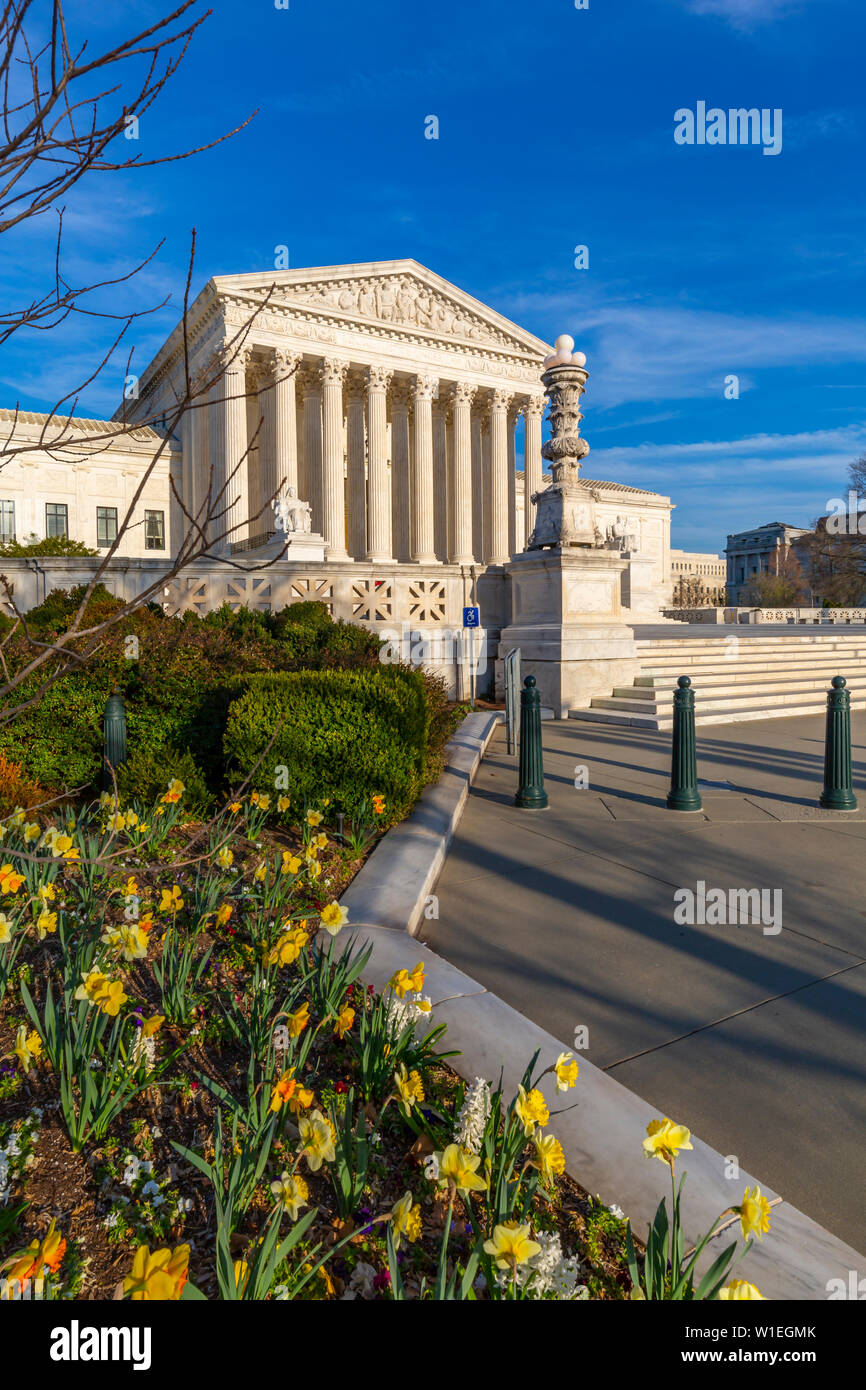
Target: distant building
(698, 579)
(764, 550)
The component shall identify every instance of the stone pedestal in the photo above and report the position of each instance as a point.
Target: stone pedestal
(567, 621)
(302, 545)
(638, 594)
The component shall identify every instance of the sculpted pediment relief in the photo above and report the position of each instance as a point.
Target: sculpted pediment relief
(397, 301)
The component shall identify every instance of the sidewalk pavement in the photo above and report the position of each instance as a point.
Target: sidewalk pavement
(754, 1039)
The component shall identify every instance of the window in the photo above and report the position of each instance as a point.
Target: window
(56, 519)
(106, 525)
(7, 522)
(154, 530)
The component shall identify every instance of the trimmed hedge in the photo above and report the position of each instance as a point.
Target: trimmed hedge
(340, 734)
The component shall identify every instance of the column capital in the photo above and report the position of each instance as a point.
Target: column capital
(259, 373)
(401, 393)
(308, 376)
(462, 393)
(500, 400)
(237, 359)
(425, 387)
(534, 405)
(379, 378)
(284, 360)
(333, 371)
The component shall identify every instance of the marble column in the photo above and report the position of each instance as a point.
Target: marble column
(460, 498)
(284, 460)
(515, 543)
(497, 547)
(313, 443)
(478, 489)
(333, 374)
(260, 433)
(356, 466)
(423, 550)
(533, 409)
(378, 483)
(440, 480)
(400, 471)
(229, 456)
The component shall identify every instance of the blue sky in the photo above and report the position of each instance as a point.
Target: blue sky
(555, 130)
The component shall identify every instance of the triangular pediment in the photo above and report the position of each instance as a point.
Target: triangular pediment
(399, 296)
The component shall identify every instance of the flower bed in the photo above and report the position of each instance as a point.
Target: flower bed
(201, 1098)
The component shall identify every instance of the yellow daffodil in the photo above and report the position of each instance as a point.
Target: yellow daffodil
(317, 1139)
(131, 888)
(333, 918)
(404, 981)
(39, 1256)
(175, 791)
(242, 1276)
(378, 805)
(457, 1167)
(408, 1087)
(288, 947)
(62, 845)
(291, 863)
(314, 818)
(93, 983)
(511, 1245)
(565, 1071)
(283, 803)
(152, 1025)
(235, 806)
(10, 882)
(260, 799)
(160, 1275)
(549, 1156)
(301, 1099)
(314, 868)
(46, 893)
(405, 1220)
(5, 929)
(46, 922)
(260, 872)
(171, 900)
(112, 999)
(131, 819)
(28, 1046)
(531, 1109)
(225, 857)
(129, 939)
(32, 831)
(298, 1021)
(223, 914)
(739, 1290)
(116, 822)
(665, 1139)
(754, 1213)
(345, 1019)
(320, 841)
(282, 1091)
(291, 1192)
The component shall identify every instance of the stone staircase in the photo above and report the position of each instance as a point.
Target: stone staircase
(736, 677)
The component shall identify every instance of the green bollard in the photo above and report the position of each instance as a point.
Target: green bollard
(530, 791)
(684, 794)
(838, 793)
(114, 738)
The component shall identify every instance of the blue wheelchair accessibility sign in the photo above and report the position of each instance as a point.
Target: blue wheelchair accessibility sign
(470, 617)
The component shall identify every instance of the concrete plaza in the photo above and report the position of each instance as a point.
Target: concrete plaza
(754, 1039)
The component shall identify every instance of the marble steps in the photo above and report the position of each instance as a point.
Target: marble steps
(770, 679)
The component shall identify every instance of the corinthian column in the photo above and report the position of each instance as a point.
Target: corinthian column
(332, 375)
(284, 432)
(460, 528)
(532, 411)
(478, 488)
(422, 471)
(378, 489)
(356, 473)
(440, 480)
(400, 476)
(229, 461)
(515, 543)
(497, 553)
(313, 442)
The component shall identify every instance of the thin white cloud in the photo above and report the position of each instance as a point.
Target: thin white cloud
(746, 14)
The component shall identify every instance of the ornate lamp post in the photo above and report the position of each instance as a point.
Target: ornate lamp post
(565, 513)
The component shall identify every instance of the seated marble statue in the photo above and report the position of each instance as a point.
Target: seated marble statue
(291, 515)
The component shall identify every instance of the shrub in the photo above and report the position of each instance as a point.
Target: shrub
(340, 734)
(16, 789)
(148, 771)
(51, 545)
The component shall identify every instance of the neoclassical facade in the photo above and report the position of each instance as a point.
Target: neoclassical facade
(387, 397)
